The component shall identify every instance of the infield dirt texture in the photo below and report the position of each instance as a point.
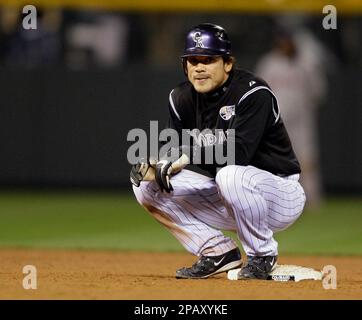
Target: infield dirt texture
(105, 246)
(135, 275)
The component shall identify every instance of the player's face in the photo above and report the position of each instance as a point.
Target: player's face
(207, 73)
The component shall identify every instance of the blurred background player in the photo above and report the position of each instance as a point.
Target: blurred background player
(296, 74)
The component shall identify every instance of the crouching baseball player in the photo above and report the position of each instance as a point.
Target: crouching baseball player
(256, 196)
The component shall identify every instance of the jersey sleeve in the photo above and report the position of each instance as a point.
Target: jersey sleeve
(174, 123)
(174, 119)
(253, 116)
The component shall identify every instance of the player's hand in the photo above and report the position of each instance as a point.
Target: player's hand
(143, 170)
(163, 175)
(173, 162)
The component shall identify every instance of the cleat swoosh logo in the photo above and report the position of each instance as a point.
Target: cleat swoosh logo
(217, 263)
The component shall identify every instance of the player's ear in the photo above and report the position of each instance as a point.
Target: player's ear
(184, 66)
(228, 64)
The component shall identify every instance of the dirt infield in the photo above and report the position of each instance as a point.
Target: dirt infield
(134, 275)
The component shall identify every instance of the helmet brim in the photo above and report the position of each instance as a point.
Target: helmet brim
(199, 52)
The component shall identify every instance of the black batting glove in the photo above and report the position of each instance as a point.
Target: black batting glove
(163, 175)
(139, 171)
(135, 174)
(172, 162)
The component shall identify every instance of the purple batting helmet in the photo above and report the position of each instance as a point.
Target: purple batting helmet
(207, 39)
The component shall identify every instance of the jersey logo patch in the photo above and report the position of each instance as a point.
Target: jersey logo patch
(226, 112)
(251, 83)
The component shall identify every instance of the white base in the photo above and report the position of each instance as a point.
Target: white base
(286, 273)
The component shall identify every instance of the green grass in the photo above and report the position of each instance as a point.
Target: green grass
(115, 221)
(336, 228)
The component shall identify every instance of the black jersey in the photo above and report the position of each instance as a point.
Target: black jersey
(246, 104)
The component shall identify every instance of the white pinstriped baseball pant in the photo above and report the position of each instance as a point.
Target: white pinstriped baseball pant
(245, 199)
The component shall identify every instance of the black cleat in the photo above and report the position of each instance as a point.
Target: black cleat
(208, 266)
(258, 268)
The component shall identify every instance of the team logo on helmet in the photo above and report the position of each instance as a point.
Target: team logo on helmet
(220, 34)
(197, 37)
(227, 112)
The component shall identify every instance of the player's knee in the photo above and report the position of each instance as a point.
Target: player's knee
(143, 192)
(225, 178)
(138, 194)
(232, 178)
